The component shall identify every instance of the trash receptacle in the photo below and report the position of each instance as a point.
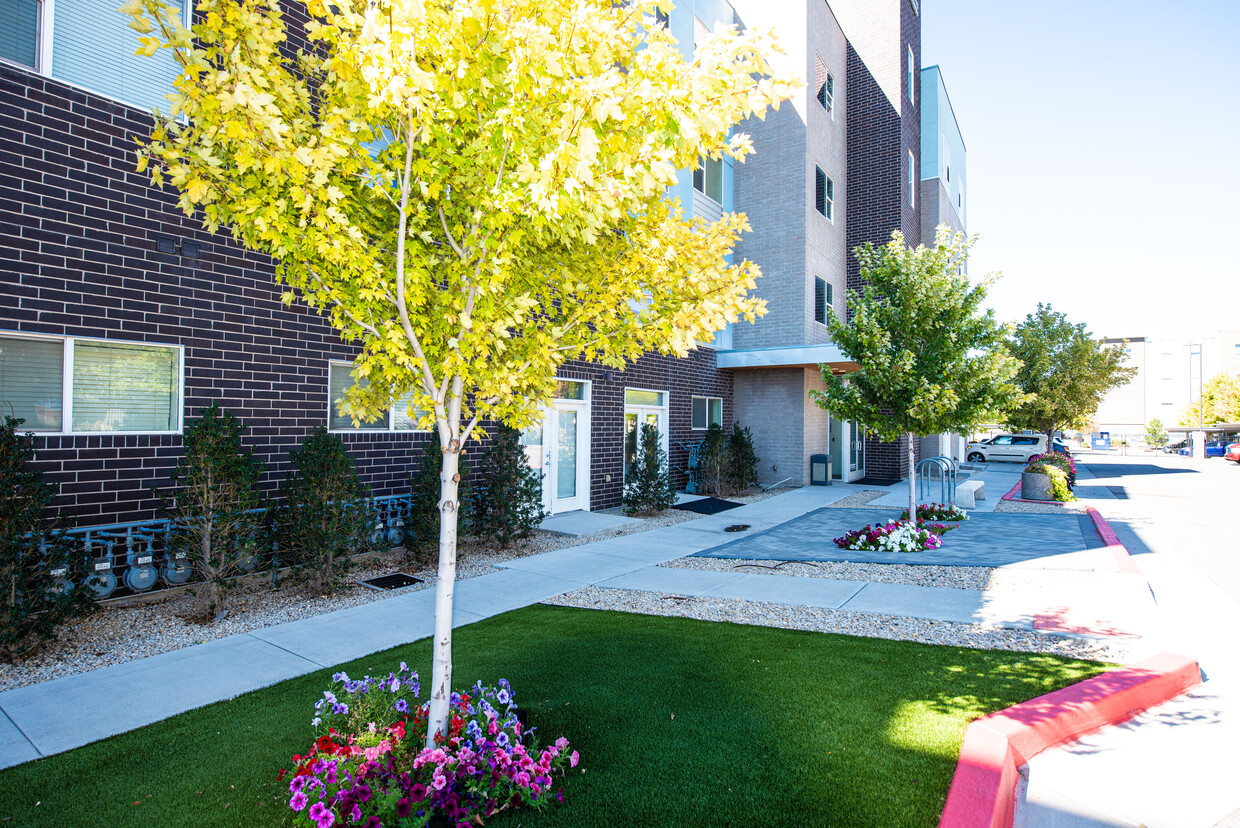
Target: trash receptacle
(819, 470)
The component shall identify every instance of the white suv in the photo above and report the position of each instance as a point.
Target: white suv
(1015, 448)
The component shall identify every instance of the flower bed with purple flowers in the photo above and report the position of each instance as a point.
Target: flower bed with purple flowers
(893, 536)
(370, 766)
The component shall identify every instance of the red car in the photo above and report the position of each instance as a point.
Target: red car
(1233, 452)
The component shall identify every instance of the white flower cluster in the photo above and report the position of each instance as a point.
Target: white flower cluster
(901, 537)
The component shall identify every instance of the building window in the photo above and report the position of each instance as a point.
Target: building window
(637, 396)
(912, 179)
(824, 299)
(339, 380)
(89, 44)
(708, 178)
(707, 411)
(74, 385)
(825, 84)
(824, 193)
(912, 74)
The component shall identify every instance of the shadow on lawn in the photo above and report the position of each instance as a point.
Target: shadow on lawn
(678, 722)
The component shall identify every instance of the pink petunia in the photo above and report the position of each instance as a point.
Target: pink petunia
(572, 759)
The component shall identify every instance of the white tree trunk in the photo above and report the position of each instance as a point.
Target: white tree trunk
(912, 482)
(441, 671)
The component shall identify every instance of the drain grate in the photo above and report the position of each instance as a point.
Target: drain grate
(737, 527)
(394, 581)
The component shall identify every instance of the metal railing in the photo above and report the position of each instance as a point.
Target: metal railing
(135, 558)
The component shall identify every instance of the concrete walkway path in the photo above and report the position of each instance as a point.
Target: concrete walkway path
(65, 713)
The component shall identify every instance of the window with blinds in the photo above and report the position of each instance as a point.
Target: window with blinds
(115, 386)
(339, 380)
(123, 387)
(31, 381)
(19, 36)
(706, 412)
(93, 47)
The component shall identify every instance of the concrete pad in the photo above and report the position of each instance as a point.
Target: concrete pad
(646, 547)
(15, 748)
(682, 497)
(72, 711)
(499, 592)
(787, 589)
(575, 564)
(678, 581)
(576, 524)
(961, 606)
(351, 633)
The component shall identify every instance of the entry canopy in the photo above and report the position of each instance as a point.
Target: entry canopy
(807, 356)
(1217, 428)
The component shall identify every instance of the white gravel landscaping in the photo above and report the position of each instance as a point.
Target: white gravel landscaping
(870, 625)
(957, 577)
(161, 622)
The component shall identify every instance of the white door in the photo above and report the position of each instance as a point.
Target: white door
(560, 447)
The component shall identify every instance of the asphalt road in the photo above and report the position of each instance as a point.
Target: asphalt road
(1193, 504)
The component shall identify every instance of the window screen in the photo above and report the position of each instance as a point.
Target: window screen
(93, 47)
(340, 379)
(19, 36)
(30, 382)
(123, 387)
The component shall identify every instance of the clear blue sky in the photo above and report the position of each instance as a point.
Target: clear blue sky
(1103, 156)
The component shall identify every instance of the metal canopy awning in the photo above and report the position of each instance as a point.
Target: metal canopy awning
(796, 356)
(1217, 428)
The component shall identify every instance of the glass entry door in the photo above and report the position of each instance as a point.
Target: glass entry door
(856, 454)
(559, 446)
(642, 408)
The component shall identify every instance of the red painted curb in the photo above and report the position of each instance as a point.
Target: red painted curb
(1012, 493)
(1012, 496)
(983, 791)
(1112, 541)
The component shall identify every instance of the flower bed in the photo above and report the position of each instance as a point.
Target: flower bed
(370, 766)
(938, 512)
(893, 536)
(1060, 461)
(1060, 487)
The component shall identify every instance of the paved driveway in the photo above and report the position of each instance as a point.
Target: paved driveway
(1066, 541)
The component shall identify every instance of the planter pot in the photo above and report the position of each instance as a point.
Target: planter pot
(1035, 486)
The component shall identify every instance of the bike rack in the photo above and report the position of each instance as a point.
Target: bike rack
(947, 478)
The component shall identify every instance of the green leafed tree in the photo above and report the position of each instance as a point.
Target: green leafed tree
(1065, 372)
(1155, 434)
(473, 192)
(932, 360)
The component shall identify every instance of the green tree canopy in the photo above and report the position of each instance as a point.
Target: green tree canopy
(1220, 402)
(1065, 371)
(474, 192)
(931, 358)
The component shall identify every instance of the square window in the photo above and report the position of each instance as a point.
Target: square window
(339, 380)
(706, 411)
(19, 37)
(32, 381)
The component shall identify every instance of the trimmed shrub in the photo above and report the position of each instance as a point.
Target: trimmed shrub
(43, 574)
(213, 505)
(742, 460)
(713, 461)
(326, 515)
(422, 525)
(508, 505)
(648, 484)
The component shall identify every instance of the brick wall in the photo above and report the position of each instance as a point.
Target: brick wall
(78, 258)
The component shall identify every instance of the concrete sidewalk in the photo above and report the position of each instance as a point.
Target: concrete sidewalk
(64, 713)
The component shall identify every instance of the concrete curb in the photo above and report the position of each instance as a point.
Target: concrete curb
(983, 791)
(1012, 496)
(1122, 558)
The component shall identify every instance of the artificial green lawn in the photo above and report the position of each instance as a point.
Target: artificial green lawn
(678, 722)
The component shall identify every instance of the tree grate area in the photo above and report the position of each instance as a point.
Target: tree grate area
(394, 581)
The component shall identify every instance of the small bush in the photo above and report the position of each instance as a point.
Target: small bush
(508, 505)
(648, 484)
(713, 461)
(741, 460)
(326, 514)
(422, 525)
(212, 507)
(43, 573)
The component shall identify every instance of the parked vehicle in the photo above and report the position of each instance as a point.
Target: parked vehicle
(1233, 452)
(1013, 448)
(1214, 448)
(1062, 447)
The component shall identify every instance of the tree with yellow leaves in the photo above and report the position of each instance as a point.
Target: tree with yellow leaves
(473, 191)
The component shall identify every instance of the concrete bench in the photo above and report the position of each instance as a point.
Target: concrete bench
(969, 492)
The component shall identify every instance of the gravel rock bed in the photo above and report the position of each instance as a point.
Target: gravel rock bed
(957, 577)
(868, 625)
(117, 634)
(857, 499)
(1077, 508)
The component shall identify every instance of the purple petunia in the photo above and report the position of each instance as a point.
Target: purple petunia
(322, 815)
(401, 706)
(298, 801)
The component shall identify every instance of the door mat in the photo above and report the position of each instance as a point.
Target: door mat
(394, 581)
(876, 481)
(707, 506)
